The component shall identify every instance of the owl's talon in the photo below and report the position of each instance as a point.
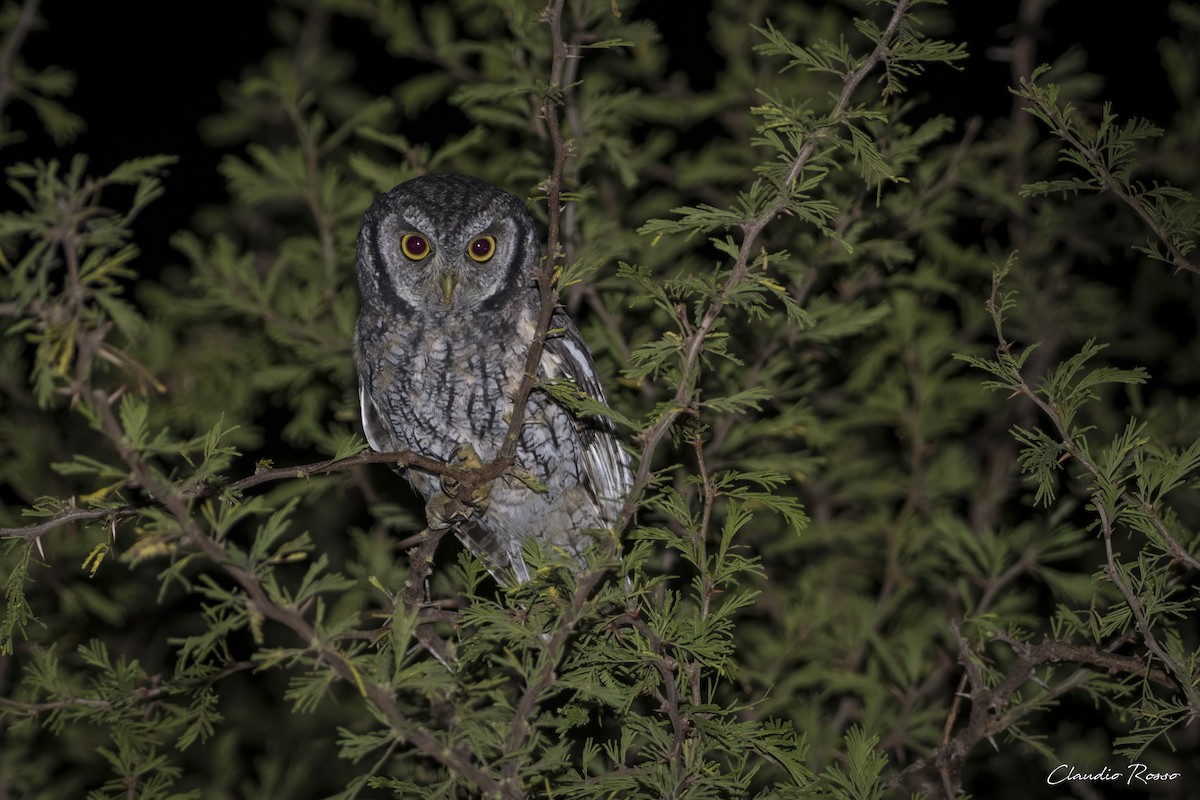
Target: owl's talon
(439, 515)
(480, 497)
(466, 455)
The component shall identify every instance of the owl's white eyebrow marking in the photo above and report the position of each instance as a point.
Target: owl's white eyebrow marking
(416, 218)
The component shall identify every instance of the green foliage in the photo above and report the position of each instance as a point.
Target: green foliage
(1108, 154)
(37, 88)
(848, 569)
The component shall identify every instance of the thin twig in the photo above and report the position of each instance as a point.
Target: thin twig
(554, 648)
(420, 559)
(751, 231)
(37, 709)
(700, 537)
(1107, 182)
(402, 458)
(1181, 673)
(155, 690)
(316, 22)
(13, 46)
(1022, 57)
(546, 674)
(680, 725)
(1068, 444)
(66, 517)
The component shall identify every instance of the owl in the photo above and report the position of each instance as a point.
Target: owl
(447, 271)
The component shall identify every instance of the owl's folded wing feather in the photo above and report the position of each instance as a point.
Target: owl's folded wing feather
(566, 355)
(376, 431)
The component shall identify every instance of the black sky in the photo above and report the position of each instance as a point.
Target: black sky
(149, 71)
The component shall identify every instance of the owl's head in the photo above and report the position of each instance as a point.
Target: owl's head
(445, 243)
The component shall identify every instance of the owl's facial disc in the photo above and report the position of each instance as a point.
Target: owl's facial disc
(448, 273)
(446, 245)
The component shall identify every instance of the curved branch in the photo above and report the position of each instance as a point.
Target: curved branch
(751, 231)
(547, 291)
(1108, 182)
(992, 708)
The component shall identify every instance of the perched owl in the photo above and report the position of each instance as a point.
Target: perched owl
(446, 267)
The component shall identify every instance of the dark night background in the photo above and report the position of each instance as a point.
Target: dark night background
(148, 72)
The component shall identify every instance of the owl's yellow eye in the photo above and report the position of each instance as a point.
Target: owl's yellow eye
(482, 248)
(415, 246)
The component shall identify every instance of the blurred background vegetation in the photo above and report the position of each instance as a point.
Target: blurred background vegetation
(900, 327)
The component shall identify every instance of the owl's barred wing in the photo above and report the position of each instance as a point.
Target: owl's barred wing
(566, 355)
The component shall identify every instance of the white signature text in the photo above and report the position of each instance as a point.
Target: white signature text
(1134, 775)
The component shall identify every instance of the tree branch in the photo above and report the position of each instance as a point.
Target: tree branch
(12, 46)
(472, 479)
(1181, 673)
(988, 716)
(1067, 440)
(1107, 182)
(402, 458)
(547, 291)
(453, 758)
(420, 560)
(545, 676)
(751, 231)
(155, 690)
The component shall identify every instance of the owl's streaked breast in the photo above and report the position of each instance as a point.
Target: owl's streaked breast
(447, 391)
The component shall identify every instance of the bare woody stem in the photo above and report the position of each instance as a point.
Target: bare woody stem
(547, 291)
(420, 559)
(996, 708)
(992, 708)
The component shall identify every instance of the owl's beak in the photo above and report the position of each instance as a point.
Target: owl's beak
(448, 281)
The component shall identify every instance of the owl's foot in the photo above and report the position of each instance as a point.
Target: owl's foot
(446, 509)
(443, 511)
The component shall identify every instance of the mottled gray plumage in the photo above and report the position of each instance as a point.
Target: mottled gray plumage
(441, 345)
